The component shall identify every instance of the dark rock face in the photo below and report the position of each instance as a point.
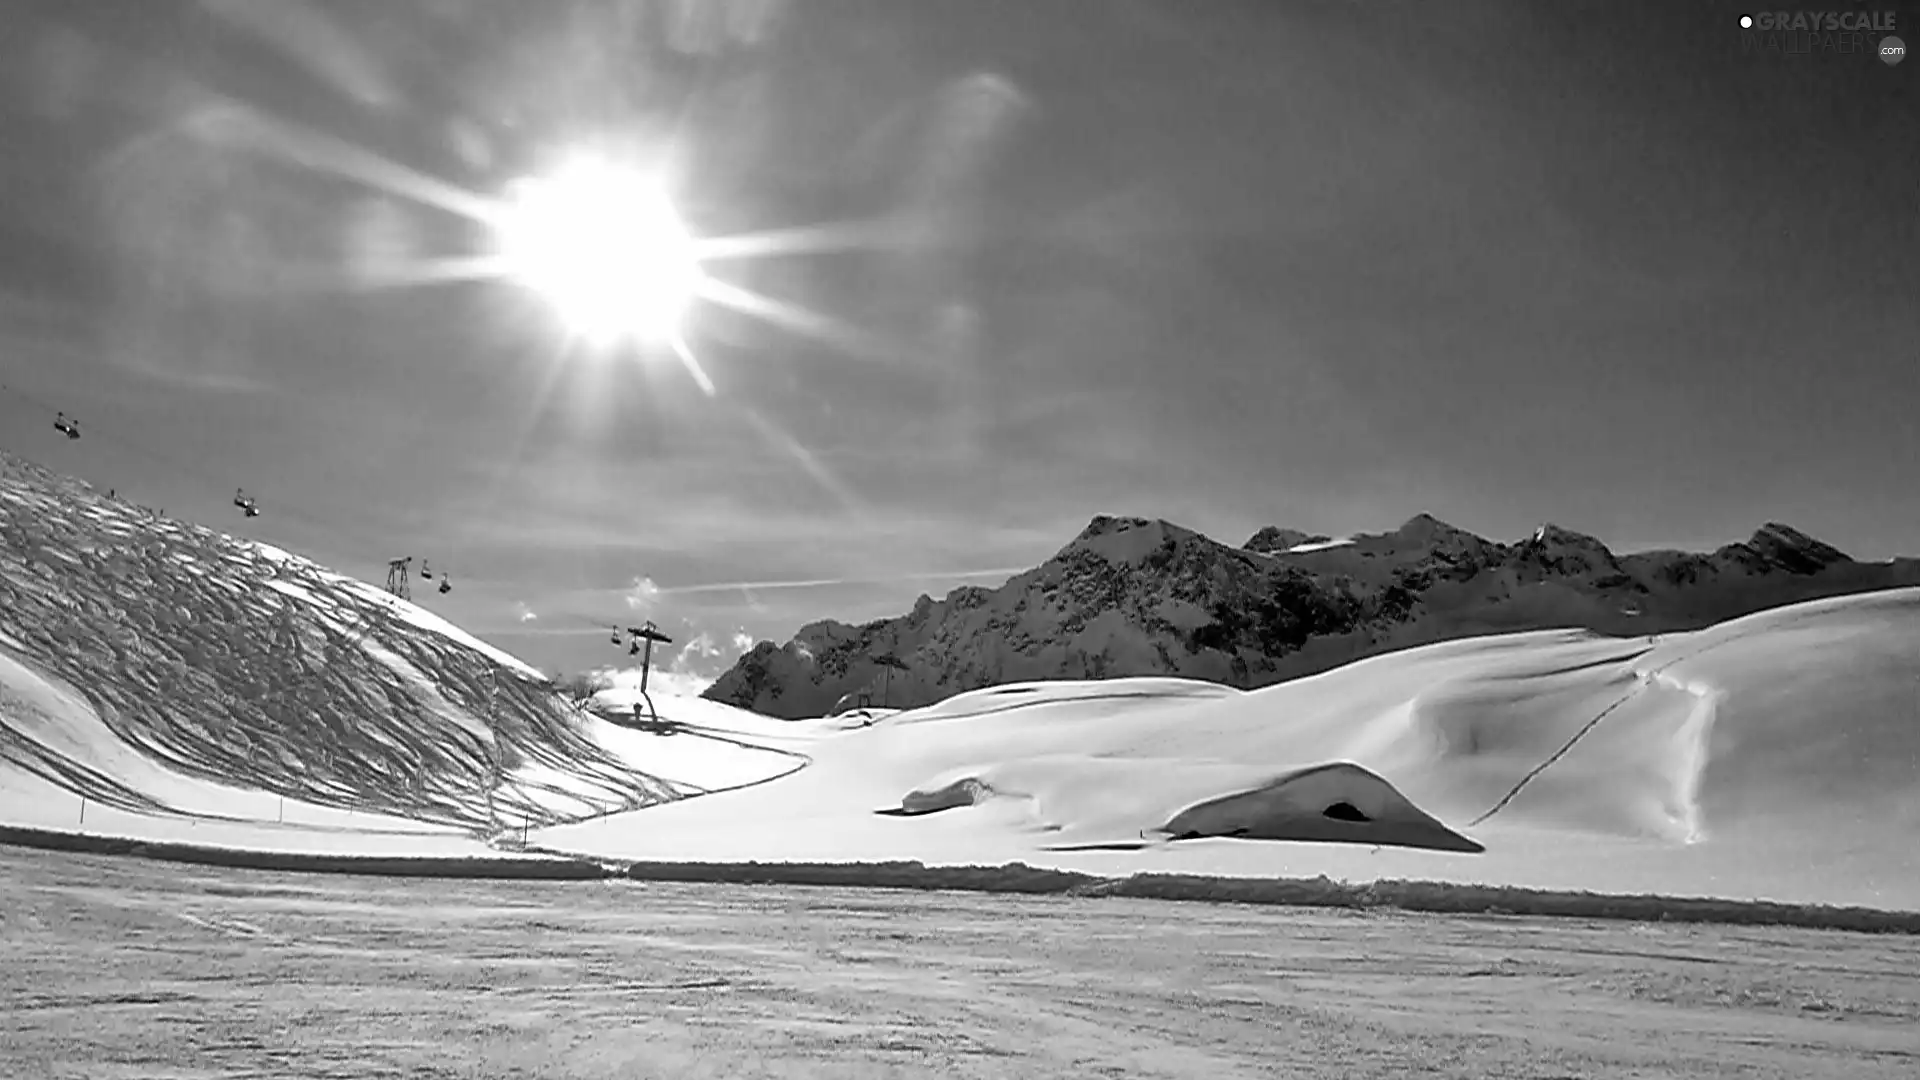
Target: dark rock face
(1274, 539)
(1138, 596)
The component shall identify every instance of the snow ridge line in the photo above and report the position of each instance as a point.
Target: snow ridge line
(1646, 680)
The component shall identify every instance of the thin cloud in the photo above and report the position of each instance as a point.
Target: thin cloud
(642, 596)
(701, 647)
(827, 583)
(622, 685)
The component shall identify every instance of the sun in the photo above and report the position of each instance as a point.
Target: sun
(603, 244)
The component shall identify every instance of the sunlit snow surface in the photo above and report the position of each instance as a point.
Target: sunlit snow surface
(198, 688)
(1772, 756)
(1318, 545)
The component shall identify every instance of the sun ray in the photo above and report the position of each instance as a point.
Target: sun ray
(325, 153)
(516, 447)
(793, 317)
(800, 240)
(824, 583)
(422, 272)
(808, 461)
(692, 364)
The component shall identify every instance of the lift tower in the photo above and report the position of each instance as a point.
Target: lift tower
(397, 577)
(649, 634)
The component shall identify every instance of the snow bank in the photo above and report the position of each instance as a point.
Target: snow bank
(1768, 757)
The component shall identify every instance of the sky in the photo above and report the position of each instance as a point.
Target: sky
(1231, 264)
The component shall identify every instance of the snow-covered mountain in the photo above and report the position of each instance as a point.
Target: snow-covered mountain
(1766, 756)
(1131, 596)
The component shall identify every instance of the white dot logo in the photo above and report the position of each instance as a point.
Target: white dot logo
(1746, 22)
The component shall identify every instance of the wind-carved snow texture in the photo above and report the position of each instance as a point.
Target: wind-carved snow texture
(1765, 756)
(218, 659)
(1690, 739)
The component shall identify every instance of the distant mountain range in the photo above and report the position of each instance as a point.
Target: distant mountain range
(1132, 596)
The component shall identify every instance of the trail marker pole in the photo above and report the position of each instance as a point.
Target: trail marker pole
(83, 809)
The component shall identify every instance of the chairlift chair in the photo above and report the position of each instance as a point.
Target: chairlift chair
(446, 584)
(245, 502)
(616, 636)
(66, 427)
(426, 568)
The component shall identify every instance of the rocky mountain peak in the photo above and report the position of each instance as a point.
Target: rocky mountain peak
(1272, 539)
(1794, 550)
(1140, 596)
(1126, 539)
(1551, 535)
(1424, 524)
(1562, 551)
(1776, 535)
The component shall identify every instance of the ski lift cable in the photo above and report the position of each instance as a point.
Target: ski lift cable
(195, 471)
(327, 529)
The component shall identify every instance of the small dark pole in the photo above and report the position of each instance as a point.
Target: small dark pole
(83, 809)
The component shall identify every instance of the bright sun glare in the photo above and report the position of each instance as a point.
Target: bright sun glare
(603, 244)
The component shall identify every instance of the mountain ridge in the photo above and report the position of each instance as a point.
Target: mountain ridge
(1146, 596)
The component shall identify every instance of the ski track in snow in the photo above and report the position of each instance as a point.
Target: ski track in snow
(169, 682)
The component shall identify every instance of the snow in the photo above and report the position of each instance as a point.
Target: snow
(428, 621)
(702, 759)
(1322, 545)
(1127, 540)
(1772, 756)
(1769, 757)
(61, 720)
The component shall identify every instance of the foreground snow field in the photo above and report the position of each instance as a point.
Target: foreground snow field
(163, 682)
(165, 970)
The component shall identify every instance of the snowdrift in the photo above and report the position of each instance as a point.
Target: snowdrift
(168, 684)
(1775, 756)
(165, 682)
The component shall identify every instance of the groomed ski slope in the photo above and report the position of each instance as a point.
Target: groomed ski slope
(173, 684)
(164, 682)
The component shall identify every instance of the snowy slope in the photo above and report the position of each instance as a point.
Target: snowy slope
(170, 682)
(1775, 756)
(1129, 596)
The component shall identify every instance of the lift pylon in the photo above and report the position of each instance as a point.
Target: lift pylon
(646, 635)
(397, 576)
